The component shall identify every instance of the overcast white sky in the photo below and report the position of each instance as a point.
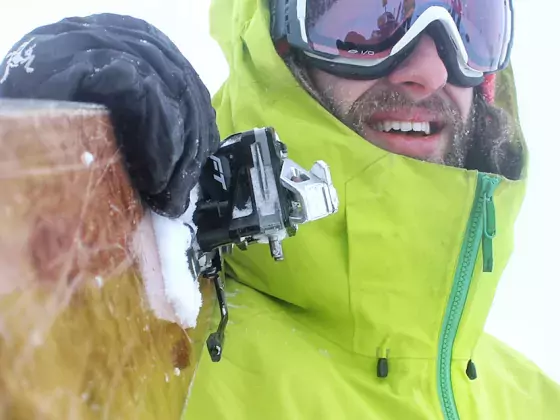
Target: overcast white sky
(526, 312)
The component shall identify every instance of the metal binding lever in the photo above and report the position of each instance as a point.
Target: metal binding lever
(252, 193)
(215, 341)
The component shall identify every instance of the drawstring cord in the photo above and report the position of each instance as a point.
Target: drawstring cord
(382, 363)
(383, 366)
(471, 370)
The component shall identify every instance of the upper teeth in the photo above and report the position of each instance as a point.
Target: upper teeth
(403, 126)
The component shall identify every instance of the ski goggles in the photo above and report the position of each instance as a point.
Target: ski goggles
(367, 39)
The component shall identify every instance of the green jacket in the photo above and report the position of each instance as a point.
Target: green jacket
(395, 279)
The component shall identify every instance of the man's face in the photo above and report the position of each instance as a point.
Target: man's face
(411, 112)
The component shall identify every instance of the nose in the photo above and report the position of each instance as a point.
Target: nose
(422, 73)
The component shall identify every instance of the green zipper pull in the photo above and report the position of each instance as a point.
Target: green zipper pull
(489, 225)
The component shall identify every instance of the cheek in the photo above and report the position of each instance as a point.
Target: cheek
(463, 98)
(347, 92)
(343, 92)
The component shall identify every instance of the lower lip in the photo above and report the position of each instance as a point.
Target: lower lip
(420, 147)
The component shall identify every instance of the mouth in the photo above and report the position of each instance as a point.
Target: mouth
(417, 137)
(414, 129)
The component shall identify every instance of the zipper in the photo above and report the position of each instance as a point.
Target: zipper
(481, 230)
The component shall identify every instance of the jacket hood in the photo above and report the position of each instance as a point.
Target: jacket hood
(399, 269)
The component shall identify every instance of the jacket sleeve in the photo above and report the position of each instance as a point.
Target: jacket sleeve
(161, 110)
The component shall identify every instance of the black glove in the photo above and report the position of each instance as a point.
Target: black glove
(160, 108)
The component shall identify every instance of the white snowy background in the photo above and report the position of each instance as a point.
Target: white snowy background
(526, 312)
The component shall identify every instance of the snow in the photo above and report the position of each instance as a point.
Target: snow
(174, 237)
(236, 138)
(99, 280)
(247, 210)
(87, 158)
(172, 290)
(324, 352)
(187, 217)
(36, 338)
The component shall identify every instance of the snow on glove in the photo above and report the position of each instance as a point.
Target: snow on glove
(161, 110)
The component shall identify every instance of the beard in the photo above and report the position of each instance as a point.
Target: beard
(458, 133)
